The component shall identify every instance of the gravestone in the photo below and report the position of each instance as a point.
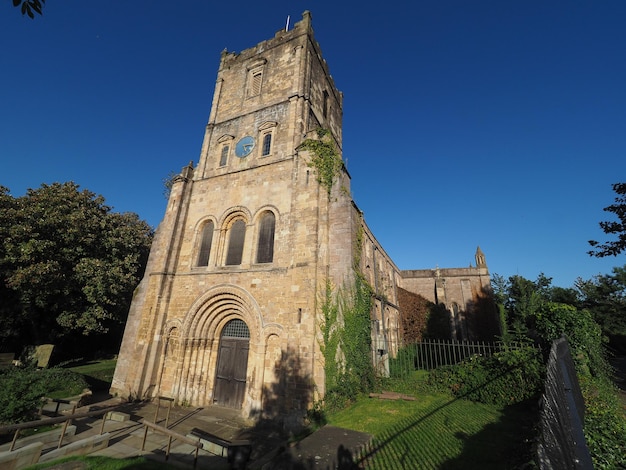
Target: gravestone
(42, 354)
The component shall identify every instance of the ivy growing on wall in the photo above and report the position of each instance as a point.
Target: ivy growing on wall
(325, 158)
(346, 341)
(329, 343)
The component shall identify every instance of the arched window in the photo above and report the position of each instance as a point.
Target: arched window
(265, 248)
(206, 241)
(236, 238)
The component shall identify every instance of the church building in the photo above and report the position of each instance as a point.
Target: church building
(230, 297)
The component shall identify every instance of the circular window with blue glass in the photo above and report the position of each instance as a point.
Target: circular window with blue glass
(244, 146)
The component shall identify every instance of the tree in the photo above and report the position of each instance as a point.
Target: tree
(30, 7)
(522, 302)
(70, 264)
(542, 313)
(614, 247)
(8, 297)
(605, 297)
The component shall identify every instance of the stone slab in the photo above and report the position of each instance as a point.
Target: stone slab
(118, 416)
(21, 458)
(43, 437)
(82, 447)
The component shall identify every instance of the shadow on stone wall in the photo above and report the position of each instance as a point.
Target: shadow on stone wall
(423, 319)
(289, 395)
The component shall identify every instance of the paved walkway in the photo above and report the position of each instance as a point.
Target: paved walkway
(328, 448)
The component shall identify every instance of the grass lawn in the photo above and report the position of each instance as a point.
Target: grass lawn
(106, 463)
(439, 432)
(436, 431)
(98, 374)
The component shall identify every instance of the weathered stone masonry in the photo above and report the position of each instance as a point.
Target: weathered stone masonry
(248, 239)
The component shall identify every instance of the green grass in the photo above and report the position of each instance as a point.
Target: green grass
(106, 463)
(98, 374)
(439, 432)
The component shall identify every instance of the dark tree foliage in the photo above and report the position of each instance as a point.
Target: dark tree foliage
(614, 247)
(605, 297)
(30, 7)
(8, 297)
(538, 312)
(69, 265)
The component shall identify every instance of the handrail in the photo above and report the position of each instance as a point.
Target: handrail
(59, 419)
(172, 435)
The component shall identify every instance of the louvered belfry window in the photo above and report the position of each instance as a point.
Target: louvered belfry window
(257, 79)
(224, 157)
(235, 243)
(265, 248)
(205, 244)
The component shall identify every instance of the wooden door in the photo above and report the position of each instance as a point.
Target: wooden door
(232, 365)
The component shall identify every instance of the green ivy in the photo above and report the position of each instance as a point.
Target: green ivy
(329, 344)
(325, 158)
(346, 342)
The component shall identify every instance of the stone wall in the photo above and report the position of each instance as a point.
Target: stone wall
(279, 88)
(465, 293)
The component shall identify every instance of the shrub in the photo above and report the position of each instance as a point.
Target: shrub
(403, 364)
(502, 379)
(605, 426)
(21, 390)
(583, 334)
(63, 382)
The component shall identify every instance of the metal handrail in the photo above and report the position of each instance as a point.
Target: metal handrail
(172, 435)
(59, 419)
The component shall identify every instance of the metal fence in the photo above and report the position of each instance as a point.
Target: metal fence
(431, 354)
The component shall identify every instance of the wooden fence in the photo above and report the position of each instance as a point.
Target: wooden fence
(431, 354)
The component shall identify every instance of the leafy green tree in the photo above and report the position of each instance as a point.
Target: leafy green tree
(70, 263)
(565, 295)
(614, 247)
(605, 297)
(544, 313)
(8, 297)
(30, 7)
(522, 302)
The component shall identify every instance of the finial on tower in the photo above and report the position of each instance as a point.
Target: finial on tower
(480, 258)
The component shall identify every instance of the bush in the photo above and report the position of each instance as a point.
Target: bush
(605, 423)
(502, 379)
(22, 388)
(403, 364)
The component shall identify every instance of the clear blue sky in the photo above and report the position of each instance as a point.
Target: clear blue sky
(492, 123)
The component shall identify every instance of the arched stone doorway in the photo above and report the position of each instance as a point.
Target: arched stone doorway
(232, 364)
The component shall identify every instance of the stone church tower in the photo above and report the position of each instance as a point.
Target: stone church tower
(226, 311)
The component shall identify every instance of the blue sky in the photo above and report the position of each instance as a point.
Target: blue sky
(492, 123)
